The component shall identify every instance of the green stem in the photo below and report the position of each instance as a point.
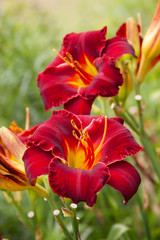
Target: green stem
(132, 123)
(38, 189)
(75, 226)
(54, 207)
(23, 217)
(139, 102)
(150, 150)
(132, 117)
(144, 219)
(148, 146)
(135, 128)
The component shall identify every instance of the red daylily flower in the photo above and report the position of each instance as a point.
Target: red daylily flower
(81, 154)
(83, 69)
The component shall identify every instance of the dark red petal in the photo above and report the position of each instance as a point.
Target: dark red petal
(106, 82)
(89, 44)
(121, 32)
(56, 134)
(26, 133)
(77, 184)
(81, 45)
(117, 46)
(124, 178)
(36, 162)
(79, 105)
(118, 143)
(55, 85)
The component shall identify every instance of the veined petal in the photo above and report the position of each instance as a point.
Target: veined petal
(11, 167)
(36, 162)
(106, 82)
(57, 85)
(12, 143)
(124, 178)
(62, 135)
(85, 45)
(118, 46)
(55, 133)
(79, 105)
(26, 133)
(12, 183)
(118, 142)
(77, 184)
(72, 68)
(122, 32)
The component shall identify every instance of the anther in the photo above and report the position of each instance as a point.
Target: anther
(75, 135)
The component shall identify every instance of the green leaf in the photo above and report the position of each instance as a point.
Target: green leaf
(117, 231)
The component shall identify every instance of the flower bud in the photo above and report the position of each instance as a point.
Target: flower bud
(150, 46)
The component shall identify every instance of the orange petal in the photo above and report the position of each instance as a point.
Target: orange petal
(12, 143)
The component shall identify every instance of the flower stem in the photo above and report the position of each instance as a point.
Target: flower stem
(23, 217)
(75, 225)
(54, 207)
(150, 150)
(148, 146)
(38, 189)
(144, 219)
(132, 125)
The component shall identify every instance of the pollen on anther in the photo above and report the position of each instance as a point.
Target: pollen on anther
(75, 135)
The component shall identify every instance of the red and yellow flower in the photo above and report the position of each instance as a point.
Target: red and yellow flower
(12, 172)
(81, 154)
(83, 69)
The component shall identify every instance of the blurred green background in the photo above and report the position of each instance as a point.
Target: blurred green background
(29, 30)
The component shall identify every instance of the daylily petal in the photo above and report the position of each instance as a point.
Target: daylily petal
(132, 32)
(106, 82)
(11, 183)
(55, 133)
(8, 166)
(36, 162)
(26, 133)
(118, 46)
(79, 105)
(124, 178)
(82, 46)
(77, 184)
(62, 135)
(56, 86)
(118, 142)
(121, 32)
(12, 143)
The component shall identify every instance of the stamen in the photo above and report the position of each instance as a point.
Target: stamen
(85, 142)
(75, 135)
(104, 135)
(65, 59)
(74, 125)
(74, 64)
